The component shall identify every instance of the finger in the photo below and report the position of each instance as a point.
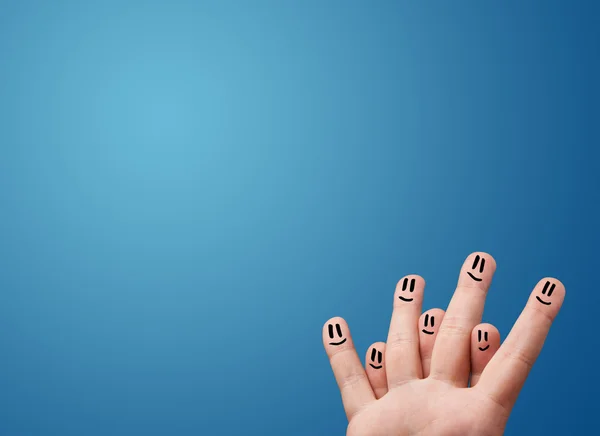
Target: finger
(505, 375)
(485, 341)
(451, 354)
(347, 368)
(429, 325)
(375, 366)
(402, 348)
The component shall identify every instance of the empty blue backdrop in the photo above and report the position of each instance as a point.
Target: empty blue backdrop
(189, 189)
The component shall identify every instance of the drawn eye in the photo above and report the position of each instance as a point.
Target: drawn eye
(481, 266)
(551, 288)
(376, 356)
(405, 284)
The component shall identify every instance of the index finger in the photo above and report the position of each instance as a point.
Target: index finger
(506, 373)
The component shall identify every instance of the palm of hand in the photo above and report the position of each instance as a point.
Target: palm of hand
(447, 379)
(430, 407)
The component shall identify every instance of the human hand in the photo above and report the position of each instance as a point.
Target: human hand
(429, 396)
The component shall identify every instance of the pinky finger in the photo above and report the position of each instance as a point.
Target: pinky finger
(485, 341)
(375, 365)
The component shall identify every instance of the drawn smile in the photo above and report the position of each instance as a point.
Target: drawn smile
(485, 339)
(376, 357)
(426, 332)
(405, 299)
(338, 343)
(477, 279)
(547, 303)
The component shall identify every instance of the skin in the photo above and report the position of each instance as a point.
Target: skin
(423, 386)
(482, 350)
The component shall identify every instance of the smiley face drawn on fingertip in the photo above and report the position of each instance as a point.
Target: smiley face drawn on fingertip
(428, 320)
(485, 339)
(338, 330)
(404, 286)
(549, 294)
(376, 357)
(481, 267)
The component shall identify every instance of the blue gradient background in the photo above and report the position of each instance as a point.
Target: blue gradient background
(189, 189)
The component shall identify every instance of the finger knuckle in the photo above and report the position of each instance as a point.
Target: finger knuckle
(521, 357)
(352, 379)
(400, 340)
(454, 327)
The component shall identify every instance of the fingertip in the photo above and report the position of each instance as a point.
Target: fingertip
(380, 346)
(486, 327)
(336, 335)
(408, 289)
(548, 296)
(485, 334)
(558, 282)
(485, 341)
(435, 311)
(478, 270)
(375, 356)
(334, 320)
(490, 262)
(430, 321)
(404, 282)
(560, 287)
(559, 290)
